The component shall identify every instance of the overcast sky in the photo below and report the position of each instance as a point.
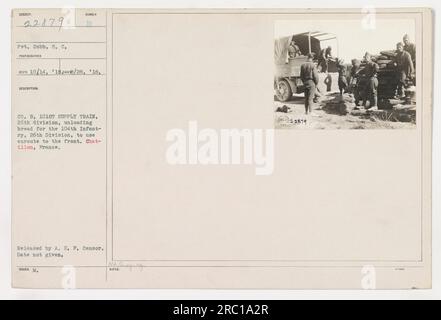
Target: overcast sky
(353, 39)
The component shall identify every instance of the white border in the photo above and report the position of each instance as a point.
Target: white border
(6, 292)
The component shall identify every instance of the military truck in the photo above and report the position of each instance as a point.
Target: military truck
(287, 74)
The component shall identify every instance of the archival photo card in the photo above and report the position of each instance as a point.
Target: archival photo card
(154, 148)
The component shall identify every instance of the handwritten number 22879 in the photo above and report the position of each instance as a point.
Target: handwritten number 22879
(52, 22)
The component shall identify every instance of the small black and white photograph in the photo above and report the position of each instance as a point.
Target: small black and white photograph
(345, 74)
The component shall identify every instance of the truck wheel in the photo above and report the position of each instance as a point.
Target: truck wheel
(283, 91)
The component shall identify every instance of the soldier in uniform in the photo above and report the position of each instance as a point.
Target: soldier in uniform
(370, 71)
(342, 81)
(355, 68)
(405, 70)
(310, 79)
(325, 56)
(409, 47)
(293, 50)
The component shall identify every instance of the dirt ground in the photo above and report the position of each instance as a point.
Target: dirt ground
(338, 112)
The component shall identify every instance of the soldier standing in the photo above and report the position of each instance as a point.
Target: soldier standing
(325, 56)
(310, 79)
(409, 47)
(405, 70)
(355, 68)
(342, 81)
(370, 71)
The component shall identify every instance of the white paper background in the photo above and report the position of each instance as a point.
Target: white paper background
(5, 191)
